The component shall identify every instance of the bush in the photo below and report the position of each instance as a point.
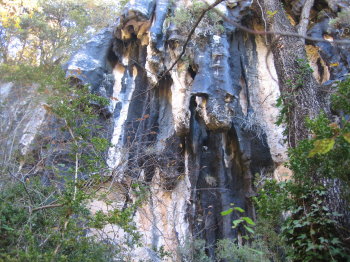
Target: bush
(185, 18)
(312, 228)
(50, 221)
(228, 249)
(342, 22)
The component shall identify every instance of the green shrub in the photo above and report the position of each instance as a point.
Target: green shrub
(194, 251)
(228, 249)
(312, 228)
(50, 222)
(342, 22)
(185, 18)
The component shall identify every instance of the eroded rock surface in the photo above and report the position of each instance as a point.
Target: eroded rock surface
(196, 135)
(188, 133)
(22, 114)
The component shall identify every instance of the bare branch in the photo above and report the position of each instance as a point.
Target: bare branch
(47, 206)
(190, 35)
(264, 19)
(304, 17)
(76, 160)
(257, 32)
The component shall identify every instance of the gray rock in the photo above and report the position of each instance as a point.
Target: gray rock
(90, 63)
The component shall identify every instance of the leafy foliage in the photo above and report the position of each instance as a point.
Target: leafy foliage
(286, 102)
(50, 221)
(194, 250)
(341, 22)
(30, 235)
(252, 250)
(244, 221)
(228, 249)
(312, 227)
(340, 100)
(185, 17)
(42, 32)
(326, 155)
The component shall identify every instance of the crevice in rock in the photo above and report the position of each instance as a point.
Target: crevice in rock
(191, 71)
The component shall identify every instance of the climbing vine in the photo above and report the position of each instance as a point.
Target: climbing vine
(286, 101)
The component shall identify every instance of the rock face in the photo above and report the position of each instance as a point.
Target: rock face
(21, 116)
(199, 133)
(196, 135)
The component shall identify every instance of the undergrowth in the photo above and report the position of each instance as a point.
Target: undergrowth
(46, 215)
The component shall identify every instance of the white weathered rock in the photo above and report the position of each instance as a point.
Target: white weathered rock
(31, 129)
(5, 89)
(264, 92)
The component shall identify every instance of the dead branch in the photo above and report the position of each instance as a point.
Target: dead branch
(76, 160)
(304, 17)
(190, 35)
(47, 206)
(278, 33)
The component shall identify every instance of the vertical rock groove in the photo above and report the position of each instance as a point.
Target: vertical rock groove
(197, 136)
(186, 136)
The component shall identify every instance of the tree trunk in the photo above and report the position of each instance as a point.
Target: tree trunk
(297, 85)
(299, 89)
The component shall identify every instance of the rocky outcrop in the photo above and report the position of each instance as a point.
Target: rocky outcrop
(22, 114)
(196, 135)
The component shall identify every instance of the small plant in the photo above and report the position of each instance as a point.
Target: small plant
(162, 254)
(340, 99)
(185, 17)
(246, 222)
(286, 102)
(304, 69)
(313, 227)
(194, 251)
(253, 250)
(342, 22)
(252, 123)
(271, 14)
(228, 249)
(310, 229)
(50, 221)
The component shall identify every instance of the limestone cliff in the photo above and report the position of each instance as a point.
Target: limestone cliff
(198, 134)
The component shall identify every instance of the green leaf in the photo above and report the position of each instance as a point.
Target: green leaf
(322, 146)
(336, 214)
(249, 221)
(5, 227)
(256, 251)
(302, 236)
(271, 13)
(239, 209)
(347, 137)
(249, 229)
(236, 222)
(335, 241)
(226, 212)
(311, 246)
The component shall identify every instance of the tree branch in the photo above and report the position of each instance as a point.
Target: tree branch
(190, 35)
(256, 32)
(304, 17)
(47, 206)
(183, 47)
(76, 160)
